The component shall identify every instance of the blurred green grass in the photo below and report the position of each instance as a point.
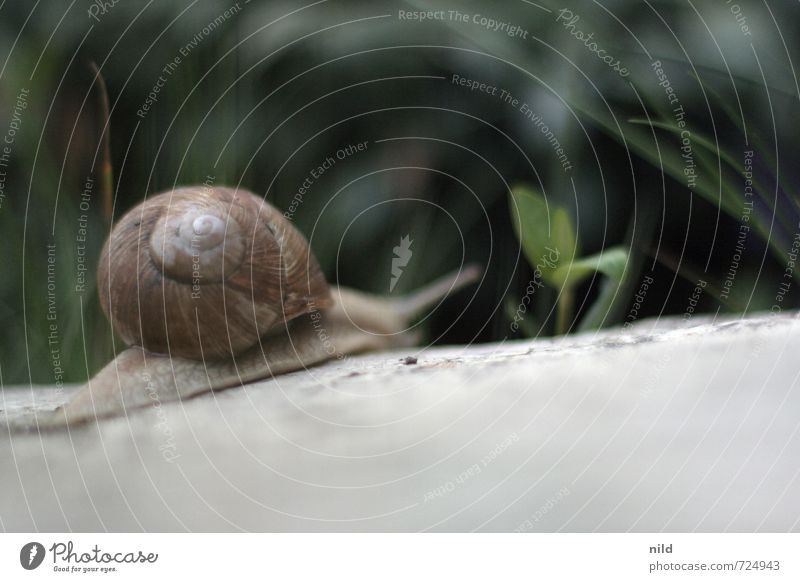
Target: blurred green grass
(267, 95)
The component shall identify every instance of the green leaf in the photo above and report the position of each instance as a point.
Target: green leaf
(613, 296)
(563, 235)
(529, 217)
(610, 262)
(546, 234)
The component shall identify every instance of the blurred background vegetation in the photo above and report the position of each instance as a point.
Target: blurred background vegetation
(266, 91)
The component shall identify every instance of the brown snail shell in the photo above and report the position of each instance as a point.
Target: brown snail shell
(203, 273)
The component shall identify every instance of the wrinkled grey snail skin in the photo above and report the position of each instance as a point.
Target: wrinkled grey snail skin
(260, 307)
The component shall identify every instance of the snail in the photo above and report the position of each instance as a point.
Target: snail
(212, 288)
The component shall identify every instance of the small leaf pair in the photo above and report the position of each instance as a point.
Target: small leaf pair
(550, 244)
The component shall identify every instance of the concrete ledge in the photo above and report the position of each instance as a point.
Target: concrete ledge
(661, 427)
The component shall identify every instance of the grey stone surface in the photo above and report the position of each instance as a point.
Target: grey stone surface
(663, 426)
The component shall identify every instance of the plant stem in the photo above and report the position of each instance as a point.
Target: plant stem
(564, 310)
(106, 167)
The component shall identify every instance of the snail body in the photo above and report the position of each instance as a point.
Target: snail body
(213, 288)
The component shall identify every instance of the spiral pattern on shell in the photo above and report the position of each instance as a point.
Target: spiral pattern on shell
(191, 243)
(205, 272)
